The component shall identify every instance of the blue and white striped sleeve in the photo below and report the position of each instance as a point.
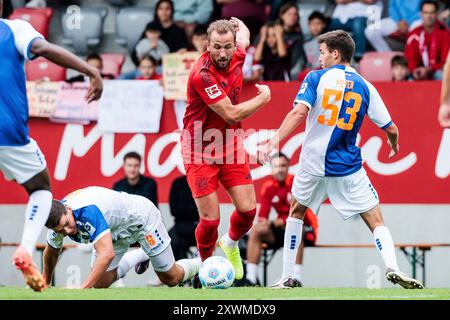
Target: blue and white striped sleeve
(95, 223)
(308, 90)
(377, 110)
(24, 35)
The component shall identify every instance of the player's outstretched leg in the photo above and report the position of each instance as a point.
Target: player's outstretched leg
(385, 246)
(241, 221)
(36, 215)
(292, 240)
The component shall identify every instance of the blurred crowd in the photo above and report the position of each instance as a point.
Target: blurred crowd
(281, 51)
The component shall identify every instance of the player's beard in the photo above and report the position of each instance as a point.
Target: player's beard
(223, 63)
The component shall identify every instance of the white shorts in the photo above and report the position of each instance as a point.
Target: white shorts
(154, 240)
(349, 195)
(23, 162)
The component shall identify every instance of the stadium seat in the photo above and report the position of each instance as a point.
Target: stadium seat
(130, 24)
(84, 34)
(112, 63)
(305, 9)
(39, 18)
(41, 68)
(376, 66)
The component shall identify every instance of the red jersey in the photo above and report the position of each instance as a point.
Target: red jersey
(428, 49)
(278, 195)
(208, 85)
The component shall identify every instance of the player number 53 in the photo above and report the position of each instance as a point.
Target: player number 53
(350, 110)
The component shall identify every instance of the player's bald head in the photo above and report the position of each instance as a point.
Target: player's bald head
(221, 27)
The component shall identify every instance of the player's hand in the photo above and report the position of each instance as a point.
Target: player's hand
(444, 115)
(278, 223)
(394, 149)
(263, 153)
(236, 23)
(264, 91)
(95, 88)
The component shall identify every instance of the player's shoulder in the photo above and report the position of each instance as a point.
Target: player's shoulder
(17, 25)
(314, 76)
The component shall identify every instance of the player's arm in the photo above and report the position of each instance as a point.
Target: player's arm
(242, 34)
(290, 122)
(392, 134)
(105, 255)
(444, 110)
(67, 59)
(51, 256)
(235, 113)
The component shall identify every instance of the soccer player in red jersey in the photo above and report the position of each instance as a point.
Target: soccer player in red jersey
(276, 193)
(212, 145)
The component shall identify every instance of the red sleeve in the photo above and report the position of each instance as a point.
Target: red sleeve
(412, 52)
(266, 201)
(207, 86)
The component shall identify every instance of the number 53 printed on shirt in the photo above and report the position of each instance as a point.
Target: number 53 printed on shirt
(350, 110)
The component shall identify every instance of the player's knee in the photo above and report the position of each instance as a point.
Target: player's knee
(170, 281)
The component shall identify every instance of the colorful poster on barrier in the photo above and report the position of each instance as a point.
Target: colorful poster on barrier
(176, 69)
(42, 98)
(131, 106)
(71, 105)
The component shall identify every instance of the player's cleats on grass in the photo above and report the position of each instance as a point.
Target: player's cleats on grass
(248, 283)
(234, 256)
(403, 280)
(287, 283)
(23, 262)
(141, 267)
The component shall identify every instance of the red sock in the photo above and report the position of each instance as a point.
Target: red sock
(206, 235)
(240, 223)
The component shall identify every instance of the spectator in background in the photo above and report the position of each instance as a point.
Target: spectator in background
(272, 53)
(251, 12)
(276, 193)
(251, 70)
(95, 60)
(399, 68)
(428, 45)
(317, 24)
(171, 34)
(147, 69)
(184, 210)
(152, 44)
(200, 39)
(190, 13)
(289, 18)
(351, 16)
(401, 19)
(134, 182)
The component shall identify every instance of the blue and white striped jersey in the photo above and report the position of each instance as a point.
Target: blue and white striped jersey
(338, 99)
(16, 38)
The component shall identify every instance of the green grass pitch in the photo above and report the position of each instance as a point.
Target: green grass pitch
(179, 293)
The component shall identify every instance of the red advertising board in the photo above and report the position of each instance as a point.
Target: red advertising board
(80, 156)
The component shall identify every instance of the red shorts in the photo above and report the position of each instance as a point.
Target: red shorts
(203, 179)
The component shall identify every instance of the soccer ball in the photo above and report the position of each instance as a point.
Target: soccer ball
(216, 273)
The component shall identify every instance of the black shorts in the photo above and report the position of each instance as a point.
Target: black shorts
(278, 233)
